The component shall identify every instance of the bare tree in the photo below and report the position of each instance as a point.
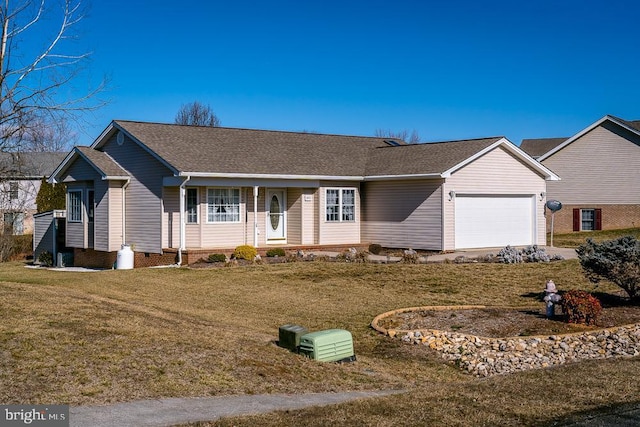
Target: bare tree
(39, 62)
(196, 114)
(404, 135)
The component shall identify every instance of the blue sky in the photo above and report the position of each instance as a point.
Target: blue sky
(449, 70)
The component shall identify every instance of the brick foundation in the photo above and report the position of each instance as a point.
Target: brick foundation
(614, 217)
(99, 259)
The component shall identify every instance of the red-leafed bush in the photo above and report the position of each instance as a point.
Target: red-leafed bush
(580, 307)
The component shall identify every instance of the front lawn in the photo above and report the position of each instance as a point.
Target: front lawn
(573, 240)
(114, 336)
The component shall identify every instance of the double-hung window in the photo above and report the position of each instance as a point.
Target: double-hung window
(14, 190)
(223, 205)
(340, 205)
(192, 205)
(14, 223)
(588, 219)
(74, 206)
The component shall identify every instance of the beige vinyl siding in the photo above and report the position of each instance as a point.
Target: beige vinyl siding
(223, 234)
(495, 173)
(115, 216)
(403, 214)
(308, 216)
(171, 217)
(143, 195)
(600, 167)
(101, 215)
(294, 216)
(338, 233)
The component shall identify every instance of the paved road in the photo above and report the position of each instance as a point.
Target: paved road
(168, 412)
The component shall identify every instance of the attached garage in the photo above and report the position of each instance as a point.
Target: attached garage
(494, 220)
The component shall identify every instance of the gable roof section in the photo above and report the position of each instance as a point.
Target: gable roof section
(440, 159)
(632, 126)
(216, 151)
(29, 165)
(538, 146)
(101, 162)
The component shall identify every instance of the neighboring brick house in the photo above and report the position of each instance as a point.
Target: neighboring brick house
(181, 192)
(600, 172)
(20, 176)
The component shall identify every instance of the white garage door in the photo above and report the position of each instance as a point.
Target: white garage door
(494, 221)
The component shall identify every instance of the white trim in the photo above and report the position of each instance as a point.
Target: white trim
(340, 205)
(271, 176)
(207, 221)
(267, 211)
(186, 213)
(409, 176)
(514, 150)
(69, 217)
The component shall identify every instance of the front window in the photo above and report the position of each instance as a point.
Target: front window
(223, 205)
(588, 218)
(13, 223)
(14, 191)
(340, 205)
(192, 205)
(74, 206)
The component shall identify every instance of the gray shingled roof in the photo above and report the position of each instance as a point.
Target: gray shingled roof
(106, 165)
(431, 158)
(539, 146)
(634, 124)
(29, 164)
(245, 151)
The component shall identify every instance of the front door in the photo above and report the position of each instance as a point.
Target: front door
(276, 226)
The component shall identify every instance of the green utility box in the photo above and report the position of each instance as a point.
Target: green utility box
(332, 345)
(289, 336)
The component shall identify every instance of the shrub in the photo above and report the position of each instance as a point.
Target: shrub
(510, 255)
(617, 261)
(46, 258)
(375, 248)
(217, 258)
(580, 307)
(409, 256)
(13, 247)
(247, 252)
(276, 252)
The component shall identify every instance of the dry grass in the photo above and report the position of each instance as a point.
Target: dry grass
(117, 336)
(573, 240)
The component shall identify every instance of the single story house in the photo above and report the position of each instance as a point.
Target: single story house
(177, 193)
(600, 169)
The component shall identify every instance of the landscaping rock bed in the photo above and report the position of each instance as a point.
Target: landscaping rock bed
(482, 356)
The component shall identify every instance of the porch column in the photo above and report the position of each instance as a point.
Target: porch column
(255, 215)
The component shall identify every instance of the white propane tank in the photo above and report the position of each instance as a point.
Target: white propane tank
(124, 260)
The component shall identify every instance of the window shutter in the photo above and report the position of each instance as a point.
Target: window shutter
(576, 219)
(598, 219)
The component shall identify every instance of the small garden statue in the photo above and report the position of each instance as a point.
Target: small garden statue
(551, 298)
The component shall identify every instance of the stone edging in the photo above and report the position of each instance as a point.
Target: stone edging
(483, 356)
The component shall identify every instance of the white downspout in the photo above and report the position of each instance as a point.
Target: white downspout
(255, 216)
(124, 211)
(182, 221)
